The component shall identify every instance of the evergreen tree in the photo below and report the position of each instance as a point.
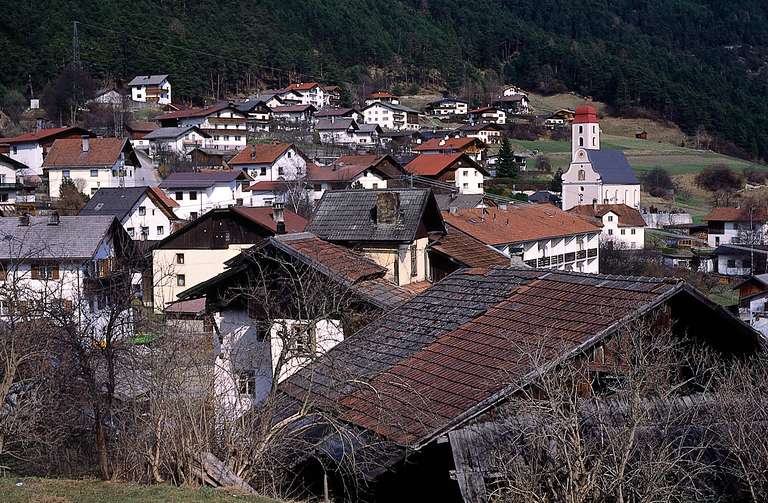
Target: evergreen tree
(556, 184)
(506, 165)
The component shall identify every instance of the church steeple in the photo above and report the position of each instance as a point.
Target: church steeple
(585, 131)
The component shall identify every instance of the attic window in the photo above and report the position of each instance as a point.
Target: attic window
(99, 206)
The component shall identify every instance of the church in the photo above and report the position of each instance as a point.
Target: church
(596, 176)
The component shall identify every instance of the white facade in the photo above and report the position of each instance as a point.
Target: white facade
(30, 153)
(585, 136)
(89, 180)
(288, 166)
(450, 107)
(338, 136)
(194, 202)
(146, 221)
(578, 253)
(489, 136)
(228, 128)
(160, 94)
(180, 145)
(469, 181)
(734, 265)
(388, 117)
(315, 96)
(737, 233)
(488, 116)
(7, 181)
(400, 260)
(629, 237)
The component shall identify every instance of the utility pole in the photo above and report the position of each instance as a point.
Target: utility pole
(75, 46)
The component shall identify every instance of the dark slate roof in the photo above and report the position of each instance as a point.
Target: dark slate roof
(349, 215)
(75, 237)
(199, 179)
(446, 201)
(147, 80)
(338, 123)
(173, 133)
(464, 345)
(612, 167)
(117, 202)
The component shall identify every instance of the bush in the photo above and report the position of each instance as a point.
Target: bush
(719, 178)
(755, 177)
(658, 183)
(543, 163)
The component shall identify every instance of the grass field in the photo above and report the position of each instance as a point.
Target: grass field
(92, 491)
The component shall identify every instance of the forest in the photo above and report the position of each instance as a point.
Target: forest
(700, 63)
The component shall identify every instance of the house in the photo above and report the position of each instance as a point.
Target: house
(12, 187)
(545, 196)
(354, 171)
(391, 116)
(472, 147)
(753, 294)
(310, 93)
(337, 130)
(258, 112)
(271, 98)
(178, 141)
(109, 97)
(32, 148)
(458, 250)
(487, 115)
(210, 158)
(456, 169)
(328, 112)
(694, 259)
(151, 89)
(596, 175)
(146, 213)
(447, 107)
(490, 134)
(334, 95)
(620, 223)
(457, 354)
(736, 226)
(542, 235)
(226, 125)
(271, 162)
(560, 119)
(740, 259)
(368, 136)
(91, 163)
(389, 226)
(294, 114)
(261, 337)
(198, 251)
(197, 192)
(517, 104)
(50, 260)
(382, 97)
(137, 130)
(455, 199)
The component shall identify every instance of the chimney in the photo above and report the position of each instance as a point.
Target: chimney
(253, 153)
(278, 214)
(24, 220)
(53, 218)
(387, 207)
(594, 205)
(453, 210)
(86, 145)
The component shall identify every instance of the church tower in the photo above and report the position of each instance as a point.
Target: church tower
(585, 131)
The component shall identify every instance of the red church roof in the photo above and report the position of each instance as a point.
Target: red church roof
(585, 114)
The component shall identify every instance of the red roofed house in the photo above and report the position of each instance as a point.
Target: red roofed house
(310, 93)
(294, 114)
(224, 122)
(271, 162)
(456, 168)
(31, 148)
(382, 97)
(542, 235)
(198, 251)
(348, 171)
(621, 223)
(91, 163)
(735, 226)
(473, 147)
(487, 115)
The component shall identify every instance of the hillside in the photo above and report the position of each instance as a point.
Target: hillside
(698, 63)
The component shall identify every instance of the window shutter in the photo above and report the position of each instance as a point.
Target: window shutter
(35, 272)
(55, 271)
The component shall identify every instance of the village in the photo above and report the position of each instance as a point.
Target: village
(372, 289)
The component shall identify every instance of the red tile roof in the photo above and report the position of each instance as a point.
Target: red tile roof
(585, 114)
(171, 203)
(734, 215)
(263, 153)
(194, 112)
(467, 250)
(265, 185)
(264, 217)
(435, 164)
(344, 169)
(443, 144)
(518, 223)
(291, 108)
(44, 134)
(381, 94)
(301, 86)
(483, 110)
(628, 216)
(69, 152)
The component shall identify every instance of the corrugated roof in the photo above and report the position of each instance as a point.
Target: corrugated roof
(75, 237)
(350, 215)
(102, 152)
(265, 217)
(518, 223)
(463, 343)
(195, 112)
(612, 167)
(292, 108)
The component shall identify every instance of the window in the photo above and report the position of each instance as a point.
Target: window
(414, 265)
(144, 232)
(317, 187)
(623, 231)
(142, 211)
(302, 338)
(193, 215)
(246, 382)
(130, 231)
(15, 150)
(160, 230)
(94, 173)
(192, 195)
(610, 232)
(45, 271)
(179, 196)
(581, 141)
(465, 185)
(181, 280)
(280, 170)
(375, 185)
(263, 171)
(582, 176)
(465, 172)
(237, 138)
(731, 263)
(632, 232)
(610, 218)
(65, 173)
(581, 129)
(216, 137)
(179, 258)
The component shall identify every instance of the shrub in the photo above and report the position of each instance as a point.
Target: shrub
(657, 182)
(719, 178)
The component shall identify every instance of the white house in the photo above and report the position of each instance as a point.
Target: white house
(176, 140)
(361, 171)
(146, 213)
(91, 163)
(337, 130)
(269, 162)
(382, 97)
(391, 116)
(447, 107)
(151, 89)
(457, 169)
(487, 115)
(31, 149)
(227, 126)
(736, 226)
(338, 112)
(621, 224)
(11, 175)
(309, 93)
(58, 262)
(489, 134)
(294, 114)
(198, 192)
(542, 235)
(596, 175)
